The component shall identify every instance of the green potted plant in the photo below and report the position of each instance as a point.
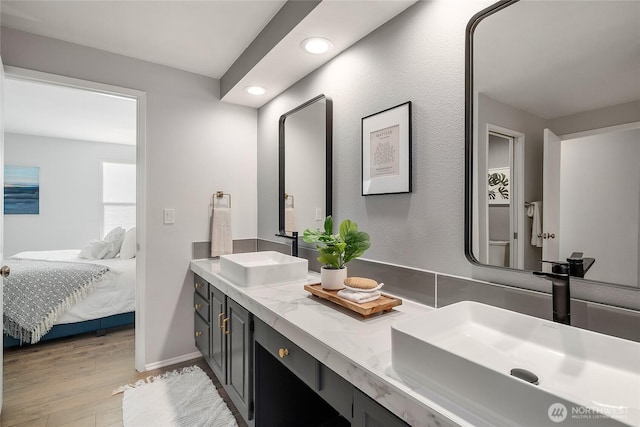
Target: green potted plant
(336, 250)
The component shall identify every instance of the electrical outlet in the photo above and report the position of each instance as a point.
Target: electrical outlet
(169, 216)
(318, 214)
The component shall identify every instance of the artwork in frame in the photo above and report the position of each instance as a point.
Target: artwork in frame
(386, 151)
(498, 186)
(21, 190)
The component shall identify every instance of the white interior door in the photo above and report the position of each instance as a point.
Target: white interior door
(551, 197)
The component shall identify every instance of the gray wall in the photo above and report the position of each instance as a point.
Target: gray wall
(195, 146)
(419, 56)
(71, 208)
(596, 119)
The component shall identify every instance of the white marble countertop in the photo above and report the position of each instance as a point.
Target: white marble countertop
(356, 348)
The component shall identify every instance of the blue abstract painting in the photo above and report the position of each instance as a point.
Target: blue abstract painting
(21, 190)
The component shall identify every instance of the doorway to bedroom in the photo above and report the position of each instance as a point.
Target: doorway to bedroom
(77, 146)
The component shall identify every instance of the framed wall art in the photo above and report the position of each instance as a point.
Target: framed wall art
(386, 151)
(21, 190)
(498, 186)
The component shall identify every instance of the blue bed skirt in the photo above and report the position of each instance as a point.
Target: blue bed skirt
(65, 330)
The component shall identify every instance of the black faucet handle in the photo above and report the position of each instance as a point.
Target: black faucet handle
(558, 267)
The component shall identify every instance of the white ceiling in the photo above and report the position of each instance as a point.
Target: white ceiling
(200, 36)
(41, 109)
(557, 58)
(204, 37)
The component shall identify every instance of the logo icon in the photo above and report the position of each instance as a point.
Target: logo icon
(557, 412)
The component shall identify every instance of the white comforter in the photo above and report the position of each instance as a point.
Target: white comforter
(115, 293)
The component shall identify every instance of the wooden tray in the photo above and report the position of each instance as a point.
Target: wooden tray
(383, 304)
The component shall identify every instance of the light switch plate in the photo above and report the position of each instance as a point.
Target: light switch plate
(318, 214)
(169, 216)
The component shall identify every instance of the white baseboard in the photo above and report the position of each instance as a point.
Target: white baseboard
(172, 361)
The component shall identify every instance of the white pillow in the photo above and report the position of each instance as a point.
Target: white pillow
(128, 248)
(114, 238)
(95, 249)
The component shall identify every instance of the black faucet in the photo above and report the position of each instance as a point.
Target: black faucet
(294, 240)
(560, 290)
(578, 265)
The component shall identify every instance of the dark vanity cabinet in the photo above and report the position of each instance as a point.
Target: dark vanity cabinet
(369, 413)
(288, 381)
(292, 388)
(217, 359)
(201, 316)
(228, 344)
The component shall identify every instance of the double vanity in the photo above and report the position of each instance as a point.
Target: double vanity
(288, 358)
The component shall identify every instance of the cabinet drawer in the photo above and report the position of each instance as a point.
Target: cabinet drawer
(290, 355)
(201, 286)
(201, 306)
(201, 332)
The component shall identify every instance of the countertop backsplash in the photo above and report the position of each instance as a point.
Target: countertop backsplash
(438, 290)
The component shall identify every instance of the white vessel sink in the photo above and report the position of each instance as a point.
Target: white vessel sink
(262, 268)
(466, 352)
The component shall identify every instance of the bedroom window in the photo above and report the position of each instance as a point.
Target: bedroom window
(118, 195)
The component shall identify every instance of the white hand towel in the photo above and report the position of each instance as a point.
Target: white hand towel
(535, 213)
(289, 219)
(359, 297)
(221, 240)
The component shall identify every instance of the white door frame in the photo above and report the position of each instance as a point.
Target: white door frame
(141, 102)
(1, 214)
(516, 210)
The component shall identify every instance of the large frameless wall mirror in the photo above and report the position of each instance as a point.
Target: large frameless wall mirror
(553, 136)
(305, 166)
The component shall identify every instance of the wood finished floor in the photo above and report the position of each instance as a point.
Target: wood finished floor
(68, 382)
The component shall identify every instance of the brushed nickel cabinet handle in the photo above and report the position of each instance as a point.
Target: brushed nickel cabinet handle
(198, 333)
(5, 271)
(197, 306)
(224, 326)
(220, 316)
(197, 285)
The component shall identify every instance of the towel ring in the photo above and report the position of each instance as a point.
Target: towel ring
(220, 195)
(287, 196)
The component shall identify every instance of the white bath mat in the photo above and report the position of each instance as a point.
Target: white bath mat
(184, 398)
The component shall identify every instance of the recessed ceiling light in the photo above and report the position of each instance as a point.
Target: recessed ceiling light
(255, 90)
(316, 45)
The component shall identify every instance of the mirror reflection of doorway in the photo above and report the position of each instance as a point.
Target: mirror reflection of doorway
(504, 213)
(499, 189)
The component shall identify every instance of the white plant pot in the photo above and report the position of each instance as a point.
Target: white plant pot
(332, 278)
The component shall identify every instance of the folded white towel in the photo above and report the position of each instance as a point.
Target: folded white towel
(221, 240)
(359, 297)
(289, 219)
(535, 213)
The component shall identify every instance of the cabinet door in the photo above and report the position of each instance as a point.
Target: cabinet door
(239, 358)
(217, 360)
(369, 413)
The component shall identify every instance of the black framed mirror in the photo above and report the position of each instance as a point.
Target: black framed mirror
(553, 137)
(305, 166)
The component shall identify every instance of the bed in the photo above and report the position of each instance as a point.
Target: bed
(110, 303)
